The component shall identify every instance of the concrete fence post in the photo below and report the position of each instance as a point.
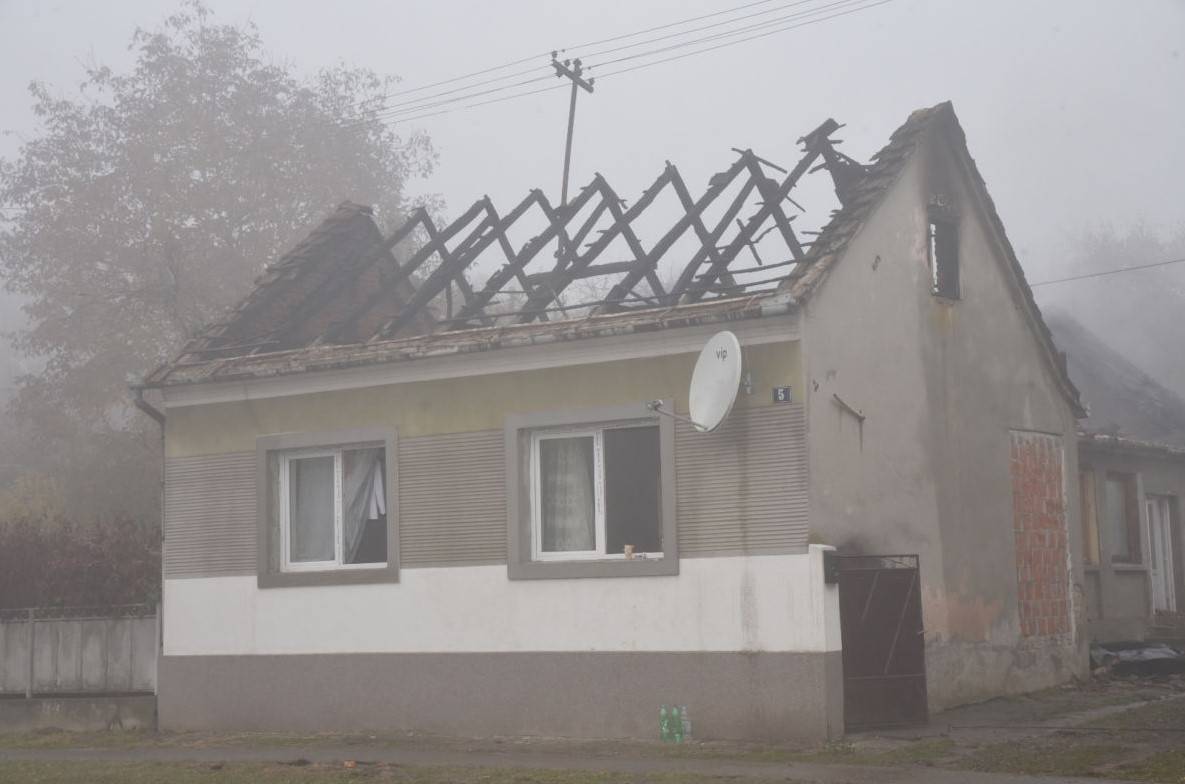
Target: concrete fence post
(160, 647)
(29, 684)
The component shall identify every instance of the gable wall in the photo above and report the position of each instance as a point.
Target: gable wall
(943, 387)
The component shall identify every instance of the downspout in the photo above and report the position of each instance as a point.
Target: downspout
(158, 415)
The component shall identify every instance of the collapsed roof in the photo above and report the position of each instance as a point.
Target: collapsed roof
(342, 298)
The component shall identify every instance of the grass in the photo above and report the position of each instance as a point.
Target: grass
(1132, 756)
(1057, 757)
(1164, 766)
(180, 773)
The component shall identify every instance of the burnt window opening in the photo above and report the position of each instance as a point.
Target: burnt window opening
(944, 257)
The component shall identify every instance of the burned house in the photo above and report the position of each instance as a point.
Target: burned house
(399, 496)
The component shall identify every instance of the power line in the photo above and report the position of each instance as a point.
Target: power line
(585, 45)
(737, 31)
(1115, 271)
(403, 119)
(421, 103)
(730, 34)
(402, 115)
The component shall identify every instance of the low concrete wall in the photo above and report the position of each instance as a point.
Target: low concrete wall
(78, 714)
(740, 696)
(77, 655)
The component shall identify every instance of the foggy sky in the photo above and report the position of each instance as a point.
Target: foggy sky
(1074, 111)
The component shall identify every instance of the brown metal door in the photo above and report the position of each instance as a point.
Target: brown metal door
(884, 663)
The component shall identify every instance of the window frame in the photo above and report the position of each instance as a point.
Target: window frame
(600, 498)
(1132, 518)
(285, 508)
(1089, 514)
(522, 433)
(274, 569)
(946, 219)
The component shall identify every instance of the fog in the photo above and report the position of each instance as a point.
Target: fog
(1073, 110)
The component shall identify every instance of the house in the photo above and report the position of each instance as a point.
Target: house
(400, 499)
(1131, 458)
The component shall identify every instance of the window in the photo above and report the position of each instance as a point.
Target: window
(596, 494)
(326, 508)
(1122, 514)
(1090, 517)
(591, 493)
(944, 256)
(333, 508)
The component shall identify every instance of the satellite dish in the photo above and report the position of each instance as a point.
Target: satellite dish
(715, 381)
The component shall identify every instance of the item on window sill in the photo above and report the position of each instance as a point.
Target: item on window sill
(629, 552)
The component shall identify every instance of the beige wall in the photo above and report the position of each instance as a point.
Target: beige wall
(941, 385)
(468, 404)
(738, 491)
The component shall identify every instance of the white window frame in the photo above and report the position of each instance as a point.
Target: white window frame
(598, 553)
(286, 457)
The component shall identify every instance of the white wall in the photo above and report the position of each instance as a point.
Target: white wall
(761, 603)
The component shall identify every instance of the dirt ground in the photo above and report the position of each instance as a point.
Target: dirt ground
(1112, 728)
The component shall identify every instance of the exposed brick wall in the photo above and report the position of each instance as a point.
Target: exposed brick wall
(1039, 524)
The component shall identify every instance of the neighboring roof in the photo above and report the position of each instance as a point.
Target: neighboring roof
(1130, 446)
(346, 336)
(1124, 401)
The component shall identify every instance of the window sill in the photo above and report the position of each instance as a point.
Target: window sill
(367, 576)
(1128, 567)
(560, 570)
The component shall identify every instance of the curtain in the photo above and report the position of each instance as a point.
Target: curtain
(363, 496)
(310, 511)
(566, 490)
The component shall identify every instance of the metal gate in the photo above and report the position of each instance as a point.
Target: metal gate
(884, 664)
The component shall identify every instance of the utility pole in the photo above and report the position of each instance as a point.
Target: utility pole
(569, 69)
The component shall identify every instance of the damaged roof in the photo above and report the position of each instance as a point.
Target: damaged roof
(342, 298)
(1125, 402)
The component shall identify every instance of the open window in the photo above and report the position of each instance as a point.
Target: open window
(333, 508)
(596, 493)
(591, 494)
(327, 508)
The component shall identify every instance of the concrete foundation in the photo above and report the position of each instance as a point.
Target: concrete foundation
(736, 696)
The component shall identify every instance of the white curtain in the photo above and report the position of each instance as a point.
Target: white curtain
(567, 494)
(310, 512)
(363, 496)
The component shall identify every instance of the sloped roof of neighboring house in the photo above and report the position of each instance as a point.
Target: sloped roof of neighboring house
(1124, 401)
(313, 310)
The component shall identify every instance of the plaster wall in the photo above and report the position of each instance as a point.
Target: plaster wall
(1122, 603)
(750, 604)
(470, 403)
(941, 385)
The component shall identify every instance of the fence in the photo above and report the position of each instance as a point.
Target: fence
(79, 650)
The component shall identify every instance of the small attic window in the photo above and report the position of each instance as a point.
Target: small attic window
(944, 254)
